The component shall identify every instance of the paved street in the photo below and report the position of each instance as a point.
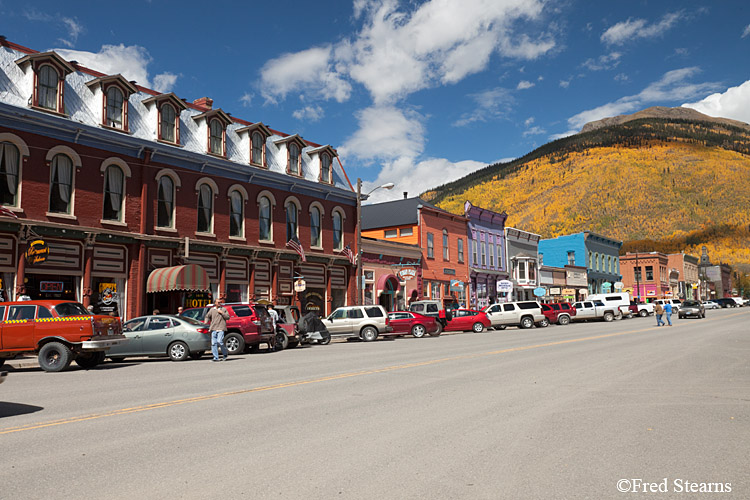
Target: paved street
(561, 412)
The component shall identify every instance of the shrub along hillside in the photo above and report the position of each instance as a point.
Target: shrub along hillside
(680, 184)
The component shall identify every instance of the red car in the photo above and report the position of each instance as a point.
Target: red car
(558, 312)
(405, 322)
(248, 325)
(467, 319)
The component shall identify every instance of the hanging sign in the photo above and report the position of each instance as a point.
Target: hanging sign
(540, 291)
(407, 273)
(300, 285)
(456, 285)
(504, 286)
(619, 285)
(606, 286)
(37, 252)
(554, 291)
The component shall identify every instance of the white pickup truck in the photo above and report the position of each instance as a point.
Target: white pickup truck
(595, 309)
(644, 308)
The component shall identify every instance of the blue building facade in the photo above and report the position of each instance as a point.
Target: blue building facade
(600, 255)
(487, 255)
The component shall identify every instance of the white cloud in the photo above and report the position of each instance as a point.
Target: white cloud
(309, 113)
(632, 29)
(74, 29)
(410, 176)
(71, 25)
(746, 32)
(247, 99)
(524, 84)
(491, 104)
(734, 103)
(603, 62)
(566, 83)
(131, 61)
(164, 82)
(534, 131)
(312, 71)
(529, 121)
(671, 87)
(386, 133)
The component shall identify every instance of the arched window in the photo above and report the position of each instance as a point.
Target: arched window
(9, 163)
(293, 166)
(325, 168)
(338, 225)
(445, 245)
(315, 240)
(165, 202)
(168, 123)
(258, 149)
(236, 214)
(48, 85)
(292, 228)
(61, 184)
(114, 183)
(115, 104)
(216, 138)
(264, 219)
(205, 209)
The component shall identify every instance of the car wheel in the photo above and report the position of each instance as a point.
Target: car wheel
(282, 341)
(477, 327)
(117, 359)
(197, 354)
(368, 334)
(527, 322)
(178, 351)
(544, 323)
(418, 331)
(234, 343)
(608, 316)
(55, 357)
(2, 362)
(439, 330)
(563, 320)
(88, 360)
(643, 313)
(326, 339)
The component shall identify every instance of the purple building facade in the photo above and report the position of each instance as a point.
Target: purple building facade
(487, 256)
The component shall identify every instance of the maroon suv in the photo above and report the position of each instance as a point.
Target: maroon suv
(558, 312)
(248, 325)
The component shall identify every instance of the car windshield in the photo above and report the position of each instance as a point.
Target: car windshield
(691, 303)
(71, 309)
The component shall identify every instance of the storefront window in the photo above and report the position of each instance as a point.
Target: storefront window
(53, 287)
(339, 298)
(435, 290)
(6, 286)
(236, 292)
(108, 296)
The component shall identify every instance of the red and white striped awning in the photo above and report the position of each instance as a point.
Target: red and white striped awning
(189, 277)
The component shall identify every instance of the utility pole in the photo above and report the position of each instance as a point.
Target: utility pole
(637, 272)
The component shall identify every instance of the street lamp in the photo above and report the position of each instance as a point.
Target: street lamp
(360, 197)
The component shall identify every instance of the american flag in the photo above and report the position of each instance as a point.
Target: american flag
(295, 245)
(7, 212)
(350, 255)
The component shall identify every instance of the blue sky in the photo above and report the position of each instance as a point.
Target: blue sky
(416, 93)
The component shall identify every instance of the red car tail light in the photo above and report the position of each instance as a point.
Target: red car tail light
(204, 330)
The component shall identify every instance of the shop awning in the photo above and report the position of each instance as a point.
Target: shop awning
(167, 279)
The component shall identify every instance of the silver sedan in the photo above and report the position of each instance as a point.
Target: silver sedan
(163, 335)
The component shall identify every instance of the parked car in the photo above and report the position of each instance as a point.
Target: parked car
(289, 316)
(692, 308)
(433, 308)
(725, 302)
(558, 312)
(711, 304)
(595, 309)
(178, 337)
(365, 322)
(642, 309)
(676, 303)
(248, 326)
(468, 319)
(739, 300)
(620, 300)
(524, 314)
(418, 325)
(58, 331)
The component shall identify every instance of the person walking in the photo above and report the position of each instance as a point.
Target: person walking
(668, 312)
(217, 318)
(658, 311)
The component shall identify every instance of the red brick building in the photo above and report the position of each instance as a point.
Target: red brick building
(121, 182)
(645, 275)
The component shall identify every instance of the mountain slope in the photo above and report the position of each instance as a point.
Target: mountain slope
(681, 183)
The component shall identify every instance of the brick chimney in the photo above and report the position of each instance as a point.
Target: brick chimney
(205, 102)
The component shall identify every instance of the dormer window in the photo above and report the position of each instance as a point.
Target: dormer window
(168, 108)
(115, 91)
(50, 71)
(325, 168)
(294, 145)
(216, 131)
(293, 159)
(325, 155)
(258, 134)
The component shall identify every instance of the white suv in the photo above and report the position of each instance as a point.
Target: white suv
(365, 322)
(521, 314)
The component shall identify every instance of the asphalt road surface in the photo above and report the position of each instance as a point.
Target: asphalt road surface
(580, 411)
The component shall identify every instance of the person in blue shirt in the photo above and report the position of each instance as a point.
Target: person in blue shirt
(668, 312)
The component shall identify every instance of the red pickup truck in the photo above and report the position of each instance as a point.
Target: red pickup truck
(58, 331)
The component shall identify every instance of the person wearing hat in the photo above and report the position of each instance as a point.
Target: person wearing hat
(217, 318)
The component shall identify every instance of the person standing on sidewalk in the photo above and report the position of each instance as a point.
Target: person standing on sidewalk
(217, 320)
(658, 311)
(668, 312)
